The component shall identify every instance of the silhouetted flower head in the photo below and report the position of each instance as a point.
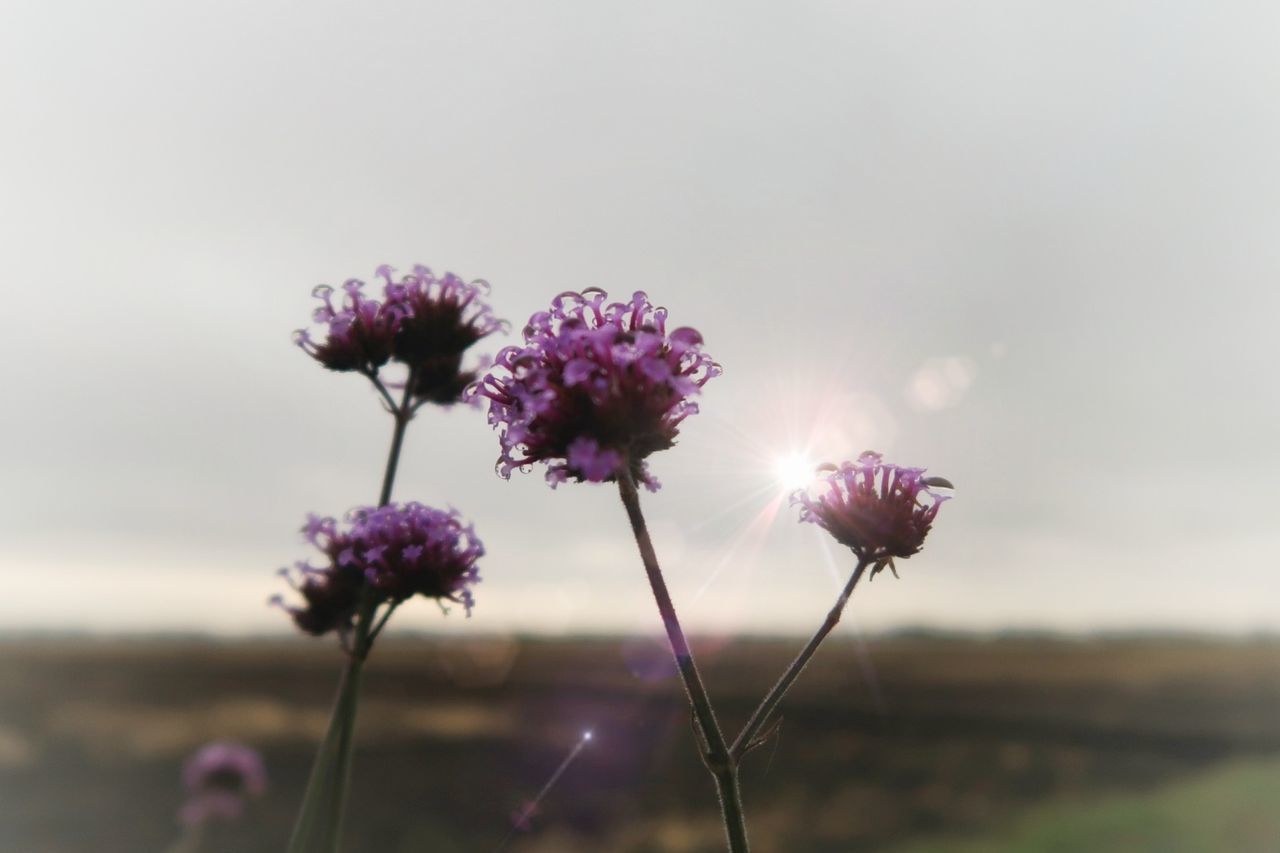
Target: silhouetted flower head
(442, 318)
(595, 386)
(396, 551)
(424, 322)
(359, 331)
(881, 511)
(220, 778)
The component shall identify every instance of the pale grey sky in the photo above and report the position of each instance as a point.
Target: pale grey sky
(1031, 246)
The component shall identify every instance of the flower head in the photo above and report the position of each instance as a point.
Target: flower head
(394, 552)
(220, 778)
(360, 331)
(873, 507)
(596, 386)
(442, 318)
(423, 322)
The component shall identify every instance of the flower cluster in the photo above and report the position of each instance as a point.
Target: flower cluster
(424, 322)
(873, 507)
(596, 385)
(360, 331)
(395, 552)
(220, 778)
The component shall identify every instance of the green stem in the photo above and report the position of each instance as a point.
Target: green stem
(716, 756)
(319, 826)
(403, 414)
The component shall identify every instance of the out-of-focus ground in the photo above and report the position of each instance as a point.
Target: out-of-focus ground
(902, 744)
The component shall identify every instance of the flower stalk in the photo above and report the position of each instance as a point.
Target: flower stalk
(319, 825)
(751, 732)
(402, 413)
(716, 754)
(388, 553)
(595, 389)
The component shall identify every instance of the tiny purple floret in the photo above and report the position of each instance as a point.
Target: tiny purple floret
(596, 386)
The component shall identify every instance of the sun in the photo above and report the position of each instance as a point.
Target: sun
(793, 471)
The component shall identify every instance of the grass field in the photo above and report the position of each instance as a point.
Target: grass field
(1233, 809)
(911, 745)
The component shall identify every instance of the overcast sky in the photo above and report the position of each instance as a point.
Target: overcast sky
(1030, 246)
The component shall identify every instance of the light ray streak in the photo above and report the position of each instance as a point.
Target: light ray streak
(760, 466)
(526, 811)
(829, 559)
(750, 441)
(755, 530)
(750, 497)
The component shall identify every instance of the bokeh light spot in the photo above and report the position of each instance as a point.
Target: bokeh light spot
(941, 383)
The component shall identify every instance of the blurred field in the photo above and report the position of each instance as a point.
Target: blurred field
(904, 744)
(1231, 809)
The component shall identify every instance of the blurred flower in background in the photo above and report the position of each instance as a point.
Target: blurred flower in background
(221, 778)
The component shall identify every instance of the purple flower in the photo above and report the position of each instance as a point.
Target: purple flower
(330, 596)
(873, 507)
(394, 552)
(423, 322)
(442, 318)
(220, 778)
(360, 333)
(596, 385)
(411, 549)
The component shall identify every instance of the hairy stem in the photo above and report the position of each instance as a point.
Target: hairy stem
(760, 717)
(717, 756)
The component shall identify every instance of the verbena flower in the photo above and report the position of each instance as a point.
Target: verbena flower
(596, 385)
(879, 510)
(443, 317)
(424, 322)
(220, 778)
(359, 331)
(395, 552)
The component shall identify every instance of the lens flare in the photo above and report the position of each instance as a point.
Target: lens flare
(522, 818)
(793, 471)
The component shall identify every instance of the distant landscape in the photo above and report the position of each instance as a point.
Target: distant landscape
(907, 743)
